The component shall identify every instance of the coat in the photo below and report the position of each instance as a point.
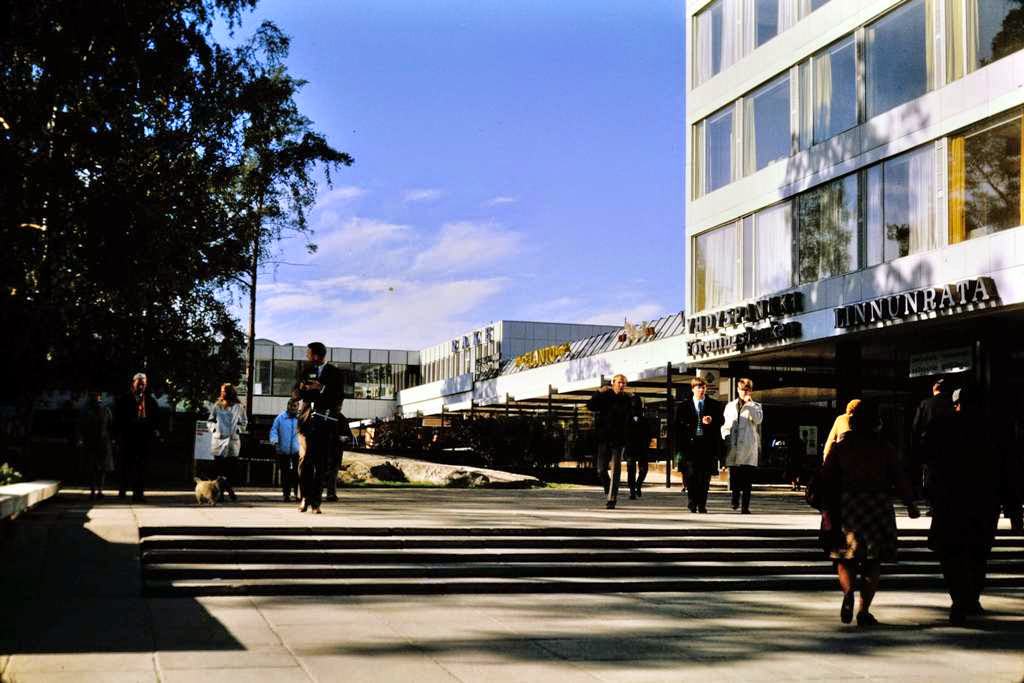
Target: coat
(326, 401)
(284, 434)
(226, 425)
(741, 432)
(700, 453)
(612, 416)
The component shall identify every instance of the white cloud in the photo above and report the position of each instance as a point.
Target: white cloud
(359, 234)
(467, 245)
(339, 195)
(425, 194)
(501, 199)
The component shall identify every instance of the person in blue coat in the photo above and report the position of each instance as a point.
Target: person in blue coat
(284, 434)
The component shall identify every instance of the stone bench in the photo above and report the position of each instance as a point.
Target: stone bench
(16, 498)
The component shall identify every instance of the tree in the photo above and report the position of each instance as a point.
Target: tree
(133, 148)
(275, 183)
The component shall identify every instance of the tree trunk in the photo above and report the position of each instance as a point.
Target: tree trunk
(250, 360)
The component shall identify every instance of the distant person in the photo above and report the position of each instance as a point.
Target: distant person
(135, 426)
(227, 421)
(840, 426)
(94, 427)
(637, 445)
(698, 428)
(612, 413)
(930, 435)
(320, 388)
(966, 496)
(284, 435)
(858, 477)
(741, 431)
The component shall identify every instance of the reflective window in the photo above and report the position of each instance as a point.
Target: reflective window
(718, 149)
(261, 380)
(767, 19)
(984, 180)
(999, 30)
(774, 249)
(766, 135)
(827, 243)
(714, 48)
(715, 268)
(901, 206)
(285, 374)
(834, 103)
(899, 57)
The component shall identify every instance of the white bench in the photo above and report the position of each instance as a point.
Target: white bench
(16, 498)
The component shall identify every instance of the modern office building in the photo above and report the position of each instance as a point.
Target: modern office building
(854, 201)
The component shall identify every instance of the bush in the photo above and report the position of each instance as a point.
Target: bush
(9, 475)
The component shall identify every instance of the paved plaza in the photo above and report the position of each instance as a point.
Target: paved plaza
(73, 606)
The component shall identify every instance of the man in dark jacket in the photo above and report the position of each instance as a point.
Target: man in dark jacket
(640, 433)
(611, 408)
(930, 435)
(698, 428)
(135, 427)
(320, 389)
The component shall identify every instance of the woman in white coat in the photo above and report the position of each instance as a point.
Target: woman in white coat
(742, 435)
(227, 421)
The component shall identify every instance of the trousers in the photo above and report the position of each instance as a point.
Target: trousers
(610, 456)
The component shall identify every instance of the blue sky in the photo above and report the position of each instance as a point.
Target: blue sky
(515, 159)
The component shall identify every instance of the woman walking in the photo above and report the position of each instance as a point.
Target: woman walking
(741, 432)
(227, 421)
(858, 476)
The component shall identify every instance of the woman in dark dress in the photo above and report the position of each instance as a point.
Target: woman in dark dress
(859, 476)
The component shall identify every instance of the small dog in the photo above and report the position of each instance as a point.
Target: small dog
(208, 490)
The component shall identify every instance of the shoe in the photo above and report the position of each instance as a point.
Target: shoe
(735, 502)
(316, 511)
(639, 492)
(234, 498)
(303, 506)
(745, 511)
(287, 498)
(846, 611)
(610, 505)
(692, 507)
(331, 499)
(703, 511)
(866, 619)
(957, 617)
(974, 609)
(632, 496)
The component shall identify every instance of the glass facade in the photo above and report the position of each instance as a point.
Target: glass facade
(980, 32)
(767, 136)
(834, 103)
(361, 380)
(827, 235)
(985, 179)
(774, 249)
(715, 267)
(718, 146)
(899, 56)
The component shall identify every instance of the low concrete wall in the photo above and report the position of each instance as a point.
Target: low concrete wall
(16, 498)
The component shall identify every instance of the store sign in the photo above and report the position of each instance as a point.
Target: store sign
(764, 309)
(774, 333)
(487, 367)
(944, 362)
(980, 290)
(544, 356)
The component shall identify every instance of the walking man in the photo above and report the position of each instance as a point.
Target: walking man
(135, 424)
(931, 435)
(320, 389)
(612, 412)
(699, 424)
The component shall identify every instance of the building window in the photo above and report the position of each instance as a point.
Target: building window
(767, 134)
(715, 268)
(984, 180)
(767, 19)
(827, 243)
(261, 379)
(900, 56)
(834, 102)
(286, 373)
(903, 222)
(774, 249)
(718, 149)
(714, 44)
(979, 32)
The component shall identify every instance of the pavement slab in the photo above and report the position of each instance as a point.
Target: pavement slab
(74, 609)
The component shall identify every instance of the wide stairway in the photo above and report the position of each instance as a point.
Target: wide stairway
(192, 561)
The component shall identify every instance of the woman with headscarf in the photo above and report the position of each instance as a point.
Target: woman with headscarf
(858, 477)
(227, 421)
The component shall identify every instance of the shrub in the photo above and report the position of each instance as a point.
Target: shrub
(9, 475)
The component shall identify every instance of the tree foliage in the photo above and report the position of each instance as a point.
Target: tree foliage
(133, 147)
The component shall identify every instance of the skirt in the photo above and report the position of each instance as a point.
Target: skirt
(868, 528)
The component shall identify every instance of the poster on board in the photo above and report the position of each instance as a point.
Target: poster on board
(201, 449)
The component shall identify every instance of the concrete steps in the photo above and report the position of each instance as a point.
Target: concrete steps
(330, 561)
